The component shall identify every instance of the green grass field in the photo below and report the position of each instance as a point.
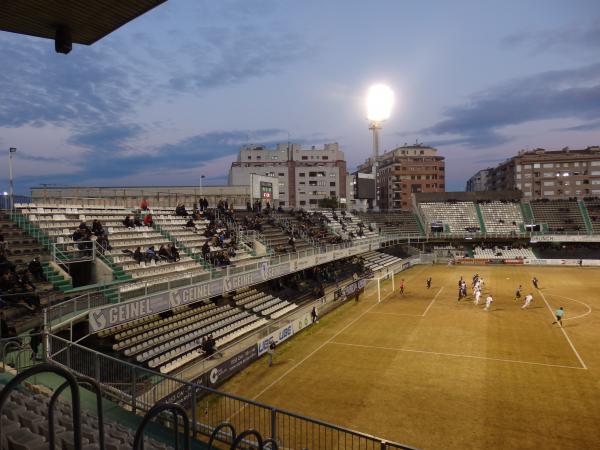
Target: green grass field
(435, 373)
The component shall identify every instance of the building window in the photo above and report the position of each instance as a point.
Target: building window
(303, 182)
(281, 174)
(332, 175)
(249, 157)
(332, 183)
(281, 203)
(313, 201)
(332, 193)
(302, 202)
(302, 174)
(304, 158)
(258, 157)
(325, 157)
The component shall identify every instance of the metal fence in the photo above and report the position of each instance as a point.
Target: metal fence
(209, 408)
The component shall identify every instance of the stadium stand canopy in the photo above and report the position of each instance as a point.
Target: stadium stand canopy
(84, 22)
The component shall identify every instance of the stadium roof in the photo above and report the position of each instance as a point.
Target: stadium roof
(87, 20)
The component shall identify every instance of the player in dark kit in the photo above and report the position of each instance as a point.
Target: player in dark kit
(518, 293)
(535, 282)
(428, 282)
(402, 286)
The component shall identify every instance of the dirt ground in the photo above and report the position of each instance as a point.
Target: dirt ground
(429, 371)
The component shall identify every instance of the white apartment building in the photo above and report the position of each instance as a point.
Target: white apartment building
(305, 175)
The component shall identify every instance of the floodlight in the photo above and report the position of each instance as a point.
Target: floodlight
(380, 100)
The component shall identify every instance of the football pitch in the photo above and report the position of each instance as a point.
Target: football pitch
(429, 371)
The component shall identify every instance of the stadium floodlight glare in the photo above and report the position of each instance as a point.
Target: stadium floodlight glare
(380, 100)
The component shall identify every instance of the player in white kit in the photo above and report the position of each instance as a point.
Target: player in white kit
(477, 296)
(528, 299)
(488, 302)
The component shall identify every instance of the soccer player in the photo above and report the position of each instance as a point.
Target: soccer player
(428, 282)
(477, 296)
(528, 299)
(488, 302)
(535, 282)
(559, 313)
(402, 286)
(518, 293)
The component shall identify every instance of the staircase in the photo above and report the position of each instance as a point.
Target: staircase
(419, 224)
(527, 212)
(480, 217)
(59, 282)
(586, 217)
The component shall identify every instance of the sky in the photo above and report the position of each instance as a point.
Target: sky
(176, 92)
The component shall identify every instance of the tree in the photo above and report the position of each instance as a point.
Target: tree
(328, 202)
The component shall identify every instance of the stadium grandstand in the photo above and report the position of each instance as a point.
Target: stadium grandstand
(150, 300)
(135, 319)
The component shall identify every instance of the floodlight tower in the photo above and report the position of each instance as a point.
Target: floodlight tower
(380, 100)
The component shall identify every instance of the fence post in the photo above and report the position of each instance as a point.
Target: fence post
(193, 388)
(97, 368)
(133, 391)
(274, 424)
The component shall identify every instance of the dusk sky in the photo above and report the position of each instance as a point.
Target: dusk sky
(176, 92)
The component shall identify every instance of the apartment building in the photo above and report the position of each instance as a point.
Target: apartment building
(478, 182)
(305, 175)
(404, 171)
(552, 174)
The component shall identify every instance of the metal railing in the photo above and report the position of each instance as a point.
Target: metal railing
(66, 253)
(126, 383)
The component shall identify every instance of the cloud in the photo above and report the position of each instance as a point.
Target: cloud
(559, 94)
(39, 87)
(193, 151)
(590, 126)
(575, 37)
(107, 138)
(221, 56)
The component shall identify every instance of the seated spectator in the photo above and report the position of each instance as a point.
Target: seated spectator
(163, 253)
(144, 205)
(190, 224)
(292, 243)
(5, 330)
(148, 220)
(5, 264)
(137, 255)
(78, 235)
(205, 249)
(151, 254)
(137, 222)
(24, 281)
(248, 207)
(97, 228)
(83, 226)
(180, 210)
(3, 243)
(128, 223)
(174, 252)
(36, 269)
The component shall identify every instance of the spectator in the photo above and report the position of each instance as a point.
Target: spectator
(180, 210)
(190, 224)
(35, 341)
(5, 264)
(137, 255)
(83, 226)
(3, 244)
(36, 269)
(174, 253)
(97, 228)
(5, 330)
(151, 254)
(148, 220)
(205, 250)
(144, 205)
(128, 223)
(103, 244)
(163, 253)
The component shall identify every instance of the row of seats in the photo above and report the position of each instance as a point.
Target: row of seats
(501, 217)
(24, 423)
(396, 222)
(503, 253)
(344, 224)
(264, 304)
(376, 260)
(456, 216)
(560, 215)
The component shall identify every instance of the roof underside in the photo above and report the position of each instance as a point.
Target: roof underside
(88, 20)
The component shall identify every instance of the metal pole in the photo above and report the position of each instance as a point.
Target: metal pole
(11, 150)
